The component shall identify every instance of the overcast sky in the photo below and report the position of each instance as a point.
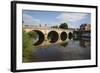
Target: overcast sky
(73, 19)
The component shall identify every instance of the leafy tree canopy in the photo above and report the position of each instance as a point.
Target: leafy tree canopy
(63, 26)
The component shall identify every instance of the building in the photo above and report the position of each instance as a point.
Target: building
(85, 30)
(85, 27)
(88, 27)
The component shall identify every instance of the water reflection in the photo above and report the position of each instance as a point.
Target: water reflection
(52, 53)
(71, 50)
(84, 43)
(64, 44)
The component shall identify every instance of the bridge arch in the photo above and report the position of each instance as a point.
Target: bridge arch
(70, 35)
(53, 36)
(63, 36)
(40, 38)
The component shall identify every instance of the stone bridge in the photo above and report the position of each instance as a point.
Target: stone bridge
(48, 36)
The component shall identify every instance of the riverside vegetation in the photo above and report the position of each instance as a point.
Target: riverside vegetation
(28, 47)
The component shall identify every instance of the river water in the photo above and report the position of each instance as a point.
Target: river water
(71, 50)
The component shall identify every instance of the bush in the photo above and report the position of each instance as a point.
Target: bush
(32, 34)
(27, 45)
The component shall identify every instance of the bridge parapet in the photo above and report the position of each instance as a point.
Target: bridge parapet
(45, 28)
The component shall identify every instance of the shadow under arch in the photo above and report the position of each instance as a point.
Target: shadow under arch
(70, 35)
(63, 36)
(53, 36)
(40, 37)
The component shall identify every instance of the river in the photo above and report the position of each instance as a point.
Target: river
(71, 50)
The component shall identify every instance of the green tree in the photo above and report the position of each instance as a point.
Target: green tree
(27, 46)
(32, 34)
(64, 26)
